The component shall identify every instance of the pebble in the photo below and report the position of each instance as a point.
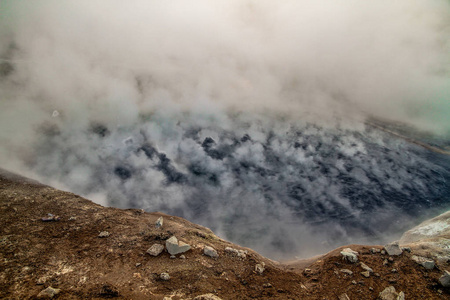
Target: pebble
(366, 267)
(385, 262)
(159, 222)
(207, 297)
(343, 297)
(347, 271)
(164, 276)
(259, 268)
(182, 256)
(155, 249)
(210, 251)
(48, 293)
(103, 234)
(375, 250)
(365, 274)
(236, 252)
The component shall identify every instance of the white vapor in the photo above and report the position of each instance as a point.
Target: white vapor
(117, 98)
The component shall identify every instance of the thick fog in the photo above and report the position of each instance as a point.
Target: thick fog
(248, 117)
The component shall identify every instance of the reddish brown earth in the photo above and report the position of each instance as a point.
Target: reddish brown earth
(68, 255)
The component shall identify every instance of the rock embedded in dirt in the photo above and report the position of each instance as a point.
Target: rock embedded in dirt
(48, 293)
(164, 276)
(159, 222)
(393, 248)
(347, 271)
(210, 251)
(423, 261)
(103, 234)
(365, 274)
(155, 249)
(259, 268)
(444, 280)
(343, 297)
(375, 250)
(349, 255)
(235, 252)
(366, 267)
(176, 247)
(389, 293)
(207, 297)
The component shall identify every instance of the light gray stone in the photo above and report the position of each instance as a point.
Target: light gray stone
(365, 274)
(103, 234)
(423, 261)
(174, 246)
(259, 268)
(164, 276)
(343, 297)
(48, 293)
(389, 293)
(207, 297)
(347, 271)
(159, 222)
(445, 279)
(349, 255)
(210, 251)
(366, 267)
(393, 248)
(155, 249)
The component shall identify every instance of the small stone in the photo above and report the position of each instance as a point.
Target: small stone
(394, 270)
(72, 218)
(393, 248)
(349, 255)
(164, 276)
(236, 252)
(159, 222)
(175, 247)
(347, 271)
(385, 262)
(267, 285)
(391, 259)
(354, 282)
(259, 268)
(388, 293)
(444, 280)
(383, 252)
(375, 250)
(41, 280)
(376, 274)
(365, 274)
(48, 293)
(182, 256)
(104, 234)
(173, 257)
(210, 251)
(401, 296)
(207, 297)
(138, 265)
(155, 249)
(343, 297)
(370, 288)
(423, 261)
(366, 268)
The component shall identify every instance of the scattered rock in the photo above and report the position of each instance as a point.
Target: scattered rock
(210, 251)
(347, 271)
(236, 252)
(343, 297)
(385, 262)
(48, 293)
(389, 293)
(138, 264)
(406, 249)
(267, 285)
(349, 255)
(159, 222)
(423, 261)
(354, 282)
(207, 297)
(393, 248)
(50, 218)
(155, 249)
(376, 274)
(182, 256)
(391, 259)
(375, 250)
(383, 252)
(365, 274)
(366, 268)
(175, 247)
(445, 279)
(259, 268)
(103, 234)
(173, 257)
(164, 276)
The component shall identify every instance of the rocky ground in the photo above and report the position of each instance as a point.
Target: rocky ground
(55, 244)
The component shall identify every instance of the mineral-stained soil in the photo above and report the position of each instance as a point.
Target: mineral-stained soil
(68, 254)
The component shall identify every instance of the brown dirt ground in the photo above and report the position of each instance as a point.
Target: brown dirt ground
(68, 255)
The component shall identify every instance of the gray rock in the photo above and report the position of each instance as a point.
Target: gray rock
(393, 248)
(389, 293)
(210, 251)
(375, 250)
(48, 293)
(235, 252)
(445, 279)
(175, 247)
(343, 297)
(347, 271)
(423, 261)
(259, 268)
(164, 276)
(383, 252)
(173, 257)
(207, 297)
(159, 222)
(349, 255)
(155, 249)
(366, 268)
(182, 256)
(103, 234)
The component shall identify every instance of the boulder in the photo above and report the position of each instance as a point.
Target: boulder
(349, 255)
(393, 248)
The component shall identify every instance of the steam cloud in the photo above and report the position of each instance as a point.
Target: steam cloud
(245, 116)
